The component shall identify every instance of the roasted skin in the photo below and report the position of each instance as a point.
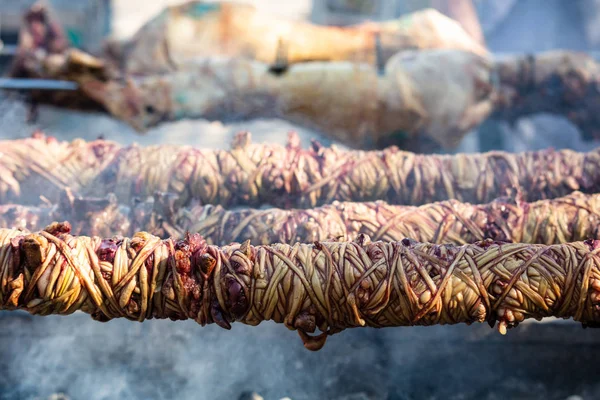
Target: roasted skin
(363, 107)
(183, 33)
(355, 104)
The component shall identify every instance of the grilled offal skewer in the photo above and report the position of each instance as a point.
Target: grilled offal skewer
(568, 219)
(284, 176)
(325, 286)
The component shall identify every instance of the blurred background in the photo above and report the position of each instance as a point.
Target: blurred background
(506, 27)
(75, 357)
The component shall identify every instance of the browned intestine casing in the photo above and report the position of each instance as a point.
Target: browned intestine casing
(322, 287)
(284, 176)
(566, 219)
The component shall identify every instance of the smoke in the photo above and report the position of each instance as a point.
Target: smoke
(85, 359)
(69, 125)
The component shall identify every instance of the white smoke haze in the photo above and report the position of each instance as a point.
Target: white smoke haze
(70, 125)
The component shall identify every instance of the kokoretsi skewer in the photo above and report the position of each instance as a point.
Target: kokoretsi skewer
(324, 286)
(284, 176)
(566, 219)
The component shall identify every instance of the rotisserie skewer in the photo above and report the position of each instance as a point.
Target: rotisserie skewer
(329, 286)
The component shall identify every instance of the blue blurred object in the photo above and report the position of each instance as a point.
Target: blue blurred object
(36, 84)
